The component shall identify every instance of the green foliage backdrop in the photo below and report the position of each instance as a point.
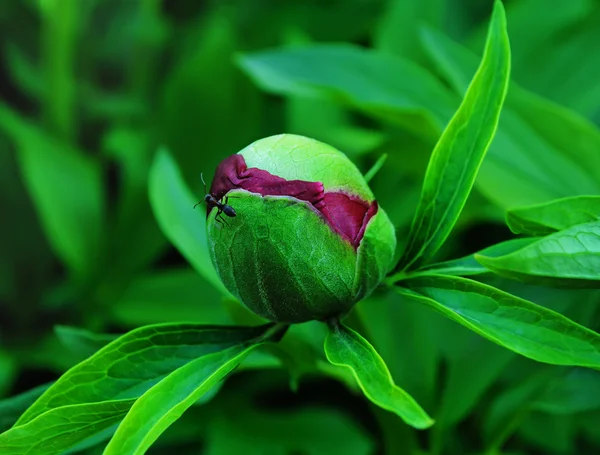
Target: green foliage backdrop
(111, 109)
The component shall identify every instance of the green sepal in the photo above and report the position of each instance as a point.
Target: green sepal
(375, 254)
(281, 259)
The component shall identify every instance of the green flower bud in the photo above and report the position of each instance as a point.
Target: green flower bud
(294, 231)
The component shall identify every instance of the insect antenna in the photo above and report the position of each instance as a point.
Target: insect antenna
(202, 178)
(205, 192)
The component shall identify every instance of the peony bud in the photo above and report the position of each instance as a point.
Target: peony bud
(305, 239)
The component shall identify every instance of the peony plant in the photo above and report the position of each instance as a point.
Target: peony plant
(293, 232)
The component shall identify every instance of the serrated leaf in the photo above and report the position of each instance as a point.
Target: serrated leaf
(173, 206)
(114, 372)
(165, 402)
(570, 258)
(547, 218)
(517, 324)
(346, 348)
(459, 152)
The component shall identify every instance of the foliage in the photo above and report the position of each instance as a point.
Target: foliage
(111, 110)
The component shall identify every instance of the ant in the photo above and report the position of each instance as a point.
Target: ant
(211, 200)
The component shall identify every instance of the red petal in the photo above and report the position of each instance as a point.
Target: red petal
(347, 215)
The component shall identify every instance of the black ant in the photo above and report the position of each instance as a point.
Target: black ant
(211, 200)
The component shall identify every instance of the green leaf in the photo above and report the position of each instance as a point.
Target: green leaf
(327, 121)
(544, 219)
(542, 151)
(460, 150)
(574, 135)
(23, 72)
(92, 444)
(301, 354)
(11, 408)
(165, 402)
(398, 29)
(508, 409)
(390, 323)
(73, 220)
(204, 83)
(550, 433)
(135, 228)
(115, 371)
(173, 206)
(472, 366)
(570, 258)
(576, 391)
(352, 140)
(379, 84)
(569, 50)
(517, 324)
(84, 405)
(345, 347)
(170, 296)
(81, 341)
(530, 36)
(523, 168)
(59, 429)
(468, 265)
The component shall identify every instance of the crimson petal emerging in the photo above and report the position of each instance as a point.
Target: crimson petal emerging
(345, 214)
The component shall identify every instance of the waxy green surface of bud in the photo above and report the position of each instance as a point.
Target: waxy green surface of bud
(306, 239)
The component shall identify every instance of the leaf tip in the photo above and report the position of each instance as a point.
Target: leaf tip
(499, 9)
(426, 424)
(163, 153)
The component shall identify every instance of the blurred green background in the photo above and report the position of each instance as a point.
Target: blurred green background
(89, 91)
